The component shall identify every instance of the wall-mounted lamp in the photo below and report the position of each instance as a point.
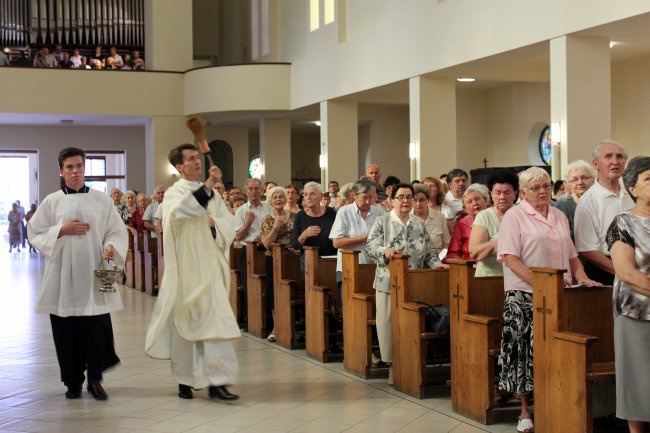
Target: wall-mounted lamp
(412, 151)
(322, 161)
(556, 133)
(317, 123)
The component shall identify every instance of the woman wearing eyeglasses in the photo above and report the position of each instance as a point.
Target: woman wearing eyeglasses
(531, 234)
(398, 231)
(579, 176)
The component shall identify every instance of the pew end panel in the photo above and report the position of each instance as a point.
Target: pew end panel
(256, 296)
(129, 263)
(289, 292)
(151, 264)
(138, 262)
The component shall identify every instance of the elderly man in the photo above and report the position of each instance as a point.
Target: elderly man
(44, 59)
(75, 229)
(598, 207)
(248, 222)
(149, 217)
(373, 171)
(457, 180)
(192, 323)
(353, 223)
(578, 177)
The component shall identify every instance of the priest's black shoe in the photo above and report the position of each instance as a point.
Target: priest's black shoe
(185, 391)
(222, 393)
(96, 389)
(73, 392)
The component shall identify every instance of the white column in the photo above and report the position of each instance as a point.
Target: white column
(580, 96)
(432, 109)
(161, 135)
(275, 150)
(168, 37)
(339, 136)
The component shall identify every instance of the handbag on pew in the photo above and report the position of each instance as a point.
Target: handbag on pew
(436, 318)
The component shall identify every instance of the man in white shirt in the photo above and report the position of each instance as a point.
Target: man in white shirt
(149, 217)
(248, 222)
(598, 207)
(75, 229)
(457, 179)
(353, 223)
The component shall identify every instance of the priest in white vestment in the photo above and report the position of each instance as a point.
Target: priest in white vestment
(75, 228)
(192, 323)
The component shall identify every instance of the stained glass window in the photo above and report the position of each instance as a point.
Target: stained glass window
(545, 145)
(255, 168)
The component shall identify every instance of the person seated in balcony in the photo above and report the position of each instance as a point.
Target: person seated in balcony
(4, 60)
(66, 63)
(58, 53)
(75, 58)
(138, 62)
(84, 64)
(97, 60)
(128, 63)
(114, 60)
(44, 59)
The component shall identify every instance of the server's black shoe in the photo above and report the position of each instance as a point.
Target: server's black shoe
(96, 389)
(185, 392)
(73, 392)
(222, 393)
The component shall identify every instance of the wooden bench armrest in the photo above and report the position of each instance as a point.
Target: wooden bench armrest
(258, 276)
(575, 337)
(412, 306)
(365, 297)
(480, 319)
(432, 336)
(494, 352)
(287, 281)
(372, 322)
(322, 289)
(601, 370)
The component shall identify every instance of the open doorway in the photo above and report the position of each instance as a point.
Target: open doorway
(18, 181)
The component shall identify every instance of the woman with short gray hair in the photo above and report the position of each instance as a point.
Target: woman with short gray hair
(475, 198)
(345, 196)
(434, 221)
(628, 239)
(579, 176)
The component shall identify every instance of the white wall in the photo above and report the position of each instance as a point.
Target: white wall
(407, 39)
(631, 105)
(49, 140)
(237, 138)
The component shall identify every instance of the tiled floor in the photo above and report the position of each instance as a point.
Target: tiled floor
(281, 391)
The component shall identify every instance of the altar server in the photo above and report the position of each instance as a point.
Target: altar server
(75, 228)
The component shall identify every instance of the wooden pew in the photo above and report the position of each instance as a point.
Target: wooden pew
(289, 288)
(476, 324)
(410, 339)
(235, 295)
(150, 264)
(138, 261)
(320, 282)
(161, 258)
(129, 265)
(256, 296)
(573, 347)
(358, 314)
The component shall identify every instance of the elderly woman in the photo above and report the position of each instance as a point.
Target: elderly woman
(579, 176)
(345, 195)
(293, 194)
(504, 188)
(628, 239)
(130, 206)
(475, 199)
(137, 224)
(532, 234)
(15, 220)
(312, 226)
(277, 227)
(398, 231)
(434, 221)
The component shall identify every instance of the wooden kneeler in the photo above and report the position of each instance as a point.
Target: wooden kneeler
(289, 292)
(476, 325)
(573, 348)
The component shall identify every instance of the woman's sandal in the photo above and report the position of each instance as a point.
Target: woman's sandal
(525, 425)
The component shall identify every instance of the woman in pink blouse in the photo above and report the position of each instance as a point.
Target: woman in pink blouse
(532, 234)
(475, 199)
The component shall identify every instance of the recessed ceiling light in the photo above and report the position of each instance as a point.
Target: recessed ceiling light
(466, 79)
(611, 44)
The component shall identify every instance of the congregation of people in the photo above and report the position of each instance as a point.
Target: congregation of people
(596, 227)
(58, 58)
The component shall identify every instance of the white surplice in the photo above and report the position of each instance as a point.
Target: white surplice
(69, 286)
(192, 323)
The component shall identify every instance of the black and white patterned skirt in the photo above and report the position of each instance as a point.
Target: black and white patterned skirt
(516, 359)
